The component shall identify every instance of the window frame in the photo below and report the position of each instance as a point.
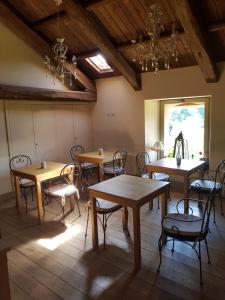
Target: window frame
(206, 100)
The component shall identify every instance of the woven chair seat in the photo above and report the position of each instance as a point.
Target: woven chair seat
(205, 185)
(26, 183)
(182, 225)
(105, 206)
(86, 165)
(61, 190)
(111, 170)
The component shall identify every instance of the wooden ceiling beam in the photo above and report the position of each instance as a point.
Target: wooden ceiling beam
(50, 18)
(217, 26)
(30, 37)
(84, 22)
(29, 93)
(197, 40)
(91, 6)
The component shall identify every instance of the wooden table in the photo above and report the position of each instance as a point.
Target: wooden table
(187, 167)
(94, 157)
(37, 174)
(130, 191)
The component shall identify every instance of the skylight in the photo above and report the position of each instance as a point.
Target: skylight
(99, 63)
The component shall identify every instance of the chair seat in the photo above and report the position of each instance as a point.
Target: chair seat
(205, 185)
(26, 183)
(61, 190)
(182, 225)
(105, 206)
(86, 165)
(161, 176)
(158, 176)
(110, 170)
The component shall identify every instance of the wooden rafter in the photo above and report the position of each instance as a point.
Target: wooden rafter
(197, 40)
(98, 3)
(86, 23)
(49, 18)
(217, 26)
(30, 93)
(35, 41)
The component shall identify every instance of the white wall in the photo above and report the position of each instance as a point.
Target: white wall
(20, 65)
(20, 120)
(116, 95)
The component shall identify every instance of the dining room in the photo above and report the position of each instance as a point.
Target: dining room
(108, 168)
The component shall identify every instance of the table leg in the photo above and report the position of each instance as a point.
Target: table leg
(94, 223)
(137, 238)
(39, 201)
(4, 277)
(17, 190)
(186, 193)
(164, 202)
(101, 172)
(150, 174)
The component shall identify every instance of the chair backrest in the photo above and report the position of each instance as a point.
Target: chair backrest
(70, 174)
(142, 158)
(119, 159)
(220, 173)
(19, 161)
(207, 211)
(74, 151)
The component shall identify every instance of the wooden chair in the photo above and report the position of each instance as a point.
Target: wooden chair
(66, 187)
(188, 228)
(26, 185)
(117, 167)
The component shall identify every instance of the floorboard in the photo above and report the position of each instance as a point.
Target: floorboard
(55, 261)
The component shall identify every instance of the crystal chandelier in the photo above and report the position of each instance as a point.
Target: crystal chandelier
(57, 66)
(152, 53)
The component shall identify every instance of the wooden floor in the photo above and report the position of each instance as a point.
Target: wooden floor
(53, 260)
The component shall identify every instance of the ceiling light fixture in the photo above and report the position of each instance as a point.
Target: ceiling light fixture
(152, 53)
(57, 66)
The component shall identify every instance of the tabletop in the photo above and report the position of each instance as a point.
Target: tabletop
(106, 157)
(129, 187)
(36, 171)
(170, 163)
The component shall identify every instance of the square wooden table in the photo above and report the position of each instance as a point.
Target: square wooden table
(37, 174)
(129, 191)
(94, 157)
(186, 168)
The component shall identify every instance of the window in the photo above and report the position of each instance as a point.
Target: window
(99, 63)
(191, 116)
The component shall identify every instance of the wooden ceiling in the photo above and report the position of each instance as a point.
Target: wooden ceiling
(108, 26)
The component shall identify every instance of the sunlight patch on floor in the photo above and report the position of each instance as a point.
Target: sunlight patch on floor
(55, 242)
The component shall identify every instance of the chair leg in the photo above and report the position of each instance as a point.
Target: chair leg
(158, 202)
(173, 246)
(214, 212)
(104, 225)
(200, 261)
(25, 198)
(78, 207)
(160, 252)
(32, 194)
(221, 203)
(87, 222)
(207, 249)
